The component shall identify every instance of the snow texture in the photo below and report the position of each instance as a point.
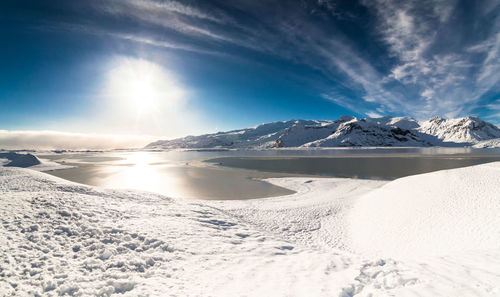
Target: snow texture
(264, 135)
(492, 143)
(344, 132)
(30, 161)
(440, 213)
(19, 160)
(429, 239)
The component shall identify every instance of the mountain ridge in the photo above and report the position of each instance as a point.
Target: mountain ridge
(346, 131)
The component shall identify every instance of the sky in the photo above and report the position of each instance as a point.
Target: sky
(165, 69)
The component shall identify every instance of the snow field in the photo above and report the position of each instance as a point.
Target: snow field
(334, 237)
(438, 213)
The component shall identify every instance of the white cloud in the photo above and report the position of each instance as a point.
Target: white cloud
(168, 14)
(428, 93)
(449, 80)
(49, 140)
(495, 105)
(489, 73)
(340, 100)
(373, 114)
(169, 7)
(422, 77)
(157, 43)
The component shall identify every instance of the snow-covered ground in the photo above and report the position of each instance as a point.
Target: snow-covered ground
(433, 234)
(492, 143)
(26, 160)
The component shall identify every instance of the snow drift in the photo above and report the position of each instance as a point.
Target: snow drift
(437, 213)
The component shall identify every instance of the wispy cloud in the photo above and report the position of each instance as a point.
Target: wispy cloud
(373, 114)
(489, 71)
(426, 64)
(160, 43)
(495, 105)
(340, 100)
(170, 7)
(172, 15)
(448, 79)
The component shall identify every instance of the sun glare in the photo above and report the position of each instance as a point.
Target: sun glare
(142, 88)
(143, 95)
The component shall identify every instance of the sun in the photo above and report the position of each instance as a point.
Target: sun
(142, 88)
(143, 95)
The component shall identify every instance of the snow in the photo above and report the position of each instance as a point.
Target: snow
(62, 238)
(47, 165)
(460, 130)
(264, 135)
(492, 143)
(370, 132)
(346, 131)
(314, 215)
(30, 161)
(440, 213)
(19, 160)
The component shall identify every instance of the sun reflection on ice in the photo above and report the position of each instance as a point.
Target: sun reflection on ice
(141, 173)
(140, 159)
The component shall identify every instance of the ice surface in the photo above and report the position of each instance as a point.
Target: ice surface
(60, 238)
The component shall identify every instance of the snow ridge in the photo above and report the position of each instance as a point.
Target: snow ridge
(461, 130)
(264, 135)
(346, 131)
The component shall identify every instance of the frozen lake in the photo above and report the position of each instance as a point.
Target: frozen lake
(238, 174)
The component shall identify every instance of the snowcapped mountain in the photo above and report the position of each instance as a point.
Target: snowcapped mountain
(492, 143)
(264, 135)
(460, 130)
(353, 132)
(343, 132)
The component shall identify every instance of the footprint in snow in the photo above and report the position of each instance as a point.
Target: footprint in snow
(242, 235)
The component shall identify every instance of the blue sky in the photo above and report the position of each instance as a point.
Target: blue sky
(73, 66)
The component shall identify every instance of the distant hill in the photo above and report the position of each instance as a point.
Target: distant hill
(347, 131)
(18, 160)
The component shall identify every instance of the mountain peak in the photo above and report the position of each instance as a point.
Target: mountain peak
(346, 118)
(345, 131)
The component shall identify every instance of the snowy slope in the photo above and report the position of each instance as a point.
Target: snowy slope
(19, 160)
(13, 159)
(61, 238)
(492, 143)
(371, 132)
(264, 135)
(460, 130)
(346, 131)
(300, 134)
(440, 213)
